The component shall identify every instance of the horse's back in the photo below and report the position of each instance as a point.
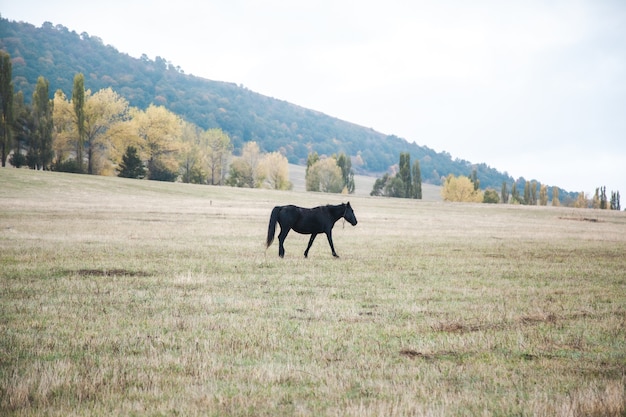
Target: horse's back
(288, 213)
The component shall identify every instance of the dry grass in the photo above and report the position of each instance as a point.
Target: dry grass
(140, 298)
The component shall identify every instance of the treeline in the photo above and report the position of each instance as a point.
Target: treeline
(100, 133)
(467, 189)
(599, 200)
(57, 53)
(405, 183)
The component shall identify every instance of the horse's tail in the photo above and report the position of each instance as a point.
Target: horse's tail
(271, 229)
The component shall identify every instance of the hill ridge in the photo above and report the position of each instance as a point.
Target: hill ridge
(57, 53)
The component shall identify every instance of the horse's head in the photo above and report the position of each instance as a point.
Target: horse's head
(349, 215)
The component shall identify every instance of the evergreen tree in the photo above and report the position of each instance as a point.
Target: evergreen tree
(405, 175)
(416, 175)
(131, 165)
(6, 106)
(78, 101)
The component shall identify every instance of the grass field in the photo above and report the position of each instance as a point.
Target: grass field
(129, 297)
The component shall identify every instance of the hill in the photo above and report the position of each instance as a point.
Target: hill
(57, 53)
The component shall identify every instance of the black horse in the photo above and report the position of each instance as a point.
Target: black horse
(307, 222)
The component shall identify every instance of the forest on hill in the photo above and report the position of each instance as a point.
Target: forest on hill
(58, 54)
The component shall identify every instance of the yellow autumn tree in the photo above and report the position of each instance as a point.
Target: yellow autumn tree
(244, 169)
(251, 155)
(218, 150)
(325, 176)
(581, 200)
(106, 134)
(159, 132)
(104, 111)
(543, 195)
(274, 172)
(460, 189)
(192, 155)
(64, 131)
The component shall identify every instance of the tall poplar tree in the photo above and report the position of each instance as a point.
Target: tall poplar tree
(345, 164)
(615, 201)
(23, 126)
(78, 101)
(40, 150)
(312, 182)
(405, 174)
(527, 200)
(543, 195)
(515, 197)
(533, 193)
(6, 106)
(416, 174)
(555, 197)
(475, 180)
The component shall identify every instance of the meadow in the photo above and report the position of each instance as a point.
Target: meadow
(130, 297)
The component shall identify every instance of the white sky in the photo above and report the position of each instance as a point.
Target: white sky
(535, 88)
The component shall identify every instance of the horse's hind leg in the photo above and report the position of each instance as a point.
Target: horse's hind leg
(306, 252)
(281, 240)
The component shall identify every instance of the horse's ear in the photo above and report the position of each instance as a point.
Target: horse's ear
(348, 204)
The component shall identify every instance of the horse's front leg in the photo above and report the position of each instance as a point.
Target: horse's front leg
(306, 252)
(329, 235)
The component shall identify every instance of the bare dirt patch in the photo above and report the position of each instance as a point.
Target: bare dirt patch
(111, 273)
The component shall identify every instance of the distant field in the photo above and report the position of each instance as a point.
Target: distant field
(130, 297)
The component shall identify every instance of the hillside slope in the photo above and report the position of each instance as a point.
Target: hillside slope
(58, 54)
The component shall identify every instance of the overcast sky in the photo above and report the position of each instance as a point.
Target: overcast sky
(533, 88)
